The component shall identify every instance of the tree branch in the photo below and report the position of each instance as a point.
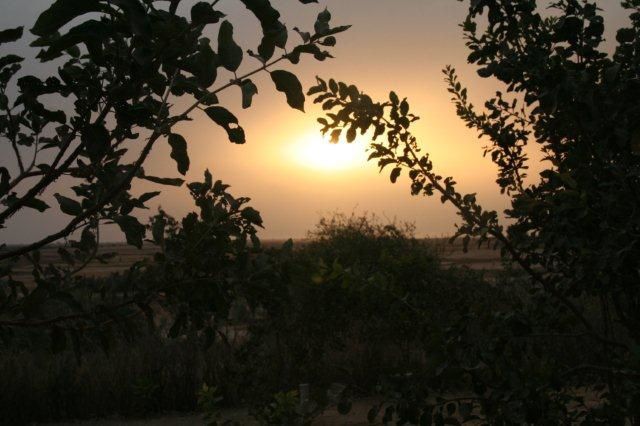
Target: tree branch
(516, 256)
(53, 174)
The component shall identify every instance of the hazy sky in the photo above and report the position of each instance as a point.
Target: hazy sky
(284, 168)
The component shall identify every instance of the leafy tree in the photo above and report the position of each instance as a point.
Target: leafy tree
(123, 64)
(574, 231)
(206, 260)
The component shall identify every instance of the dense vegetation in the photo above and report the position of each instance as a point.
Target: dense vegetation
(364, 308)
(574, 229)
(333, 310)
(125, 68)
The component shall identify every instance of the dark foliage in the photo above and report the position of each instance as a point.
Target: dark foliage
(125, 67)
(355, 304)
(574, 231)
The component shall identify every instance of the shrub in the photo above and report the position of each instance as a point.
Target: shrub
(357, 303)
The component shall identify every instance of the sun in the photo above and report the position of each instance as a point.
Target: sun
(315, 151)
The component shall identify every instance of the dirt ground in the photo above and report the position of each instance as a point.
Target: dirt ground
(357, 417)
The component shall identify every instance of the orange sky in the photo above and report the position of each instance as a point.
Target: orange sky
(399, 45)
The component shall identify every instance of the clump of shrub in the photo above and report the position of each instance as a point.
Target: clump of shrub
(359, 301)
(362, 299)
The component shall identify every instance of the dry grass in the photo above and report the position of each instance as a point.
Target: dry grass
(477, 258)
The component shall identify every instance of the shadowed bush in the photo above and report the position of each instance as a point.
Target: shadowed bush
(341, 308)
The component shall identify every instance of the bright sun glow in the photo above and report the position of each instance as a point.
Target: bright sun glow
(314, 151)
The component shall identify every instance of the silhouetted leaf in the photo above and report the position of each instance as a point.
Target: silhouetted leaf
(248, 91)
(179, 152)
(263, 10)
(395, 173)
(625, 35)
(294, 55)
(236, 135)
(485, 72)
(136, 15)
(208, 179)
(61, 12)
(173, 7)
(333, 86)
(274, 32)
(10, 59)
(204, 66)
(203, 13)
(230, 53)
(68, 205)
(404, 107)
(222, 116)
(148, 196)
(96, 140)
(228, 121)
(335, 135)
(322, 22)
(568, 28)
(336, 30)
(351, 134)
(329, 41)
(252, 215)
(272, 39)
(133, 230)
(10, 34)
(289, 84)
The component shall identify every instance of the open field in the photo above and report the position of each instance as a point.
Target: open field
(477, 258)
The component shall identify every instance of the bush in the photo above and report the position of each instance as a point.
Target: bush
(362, 300)
(359, 301)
